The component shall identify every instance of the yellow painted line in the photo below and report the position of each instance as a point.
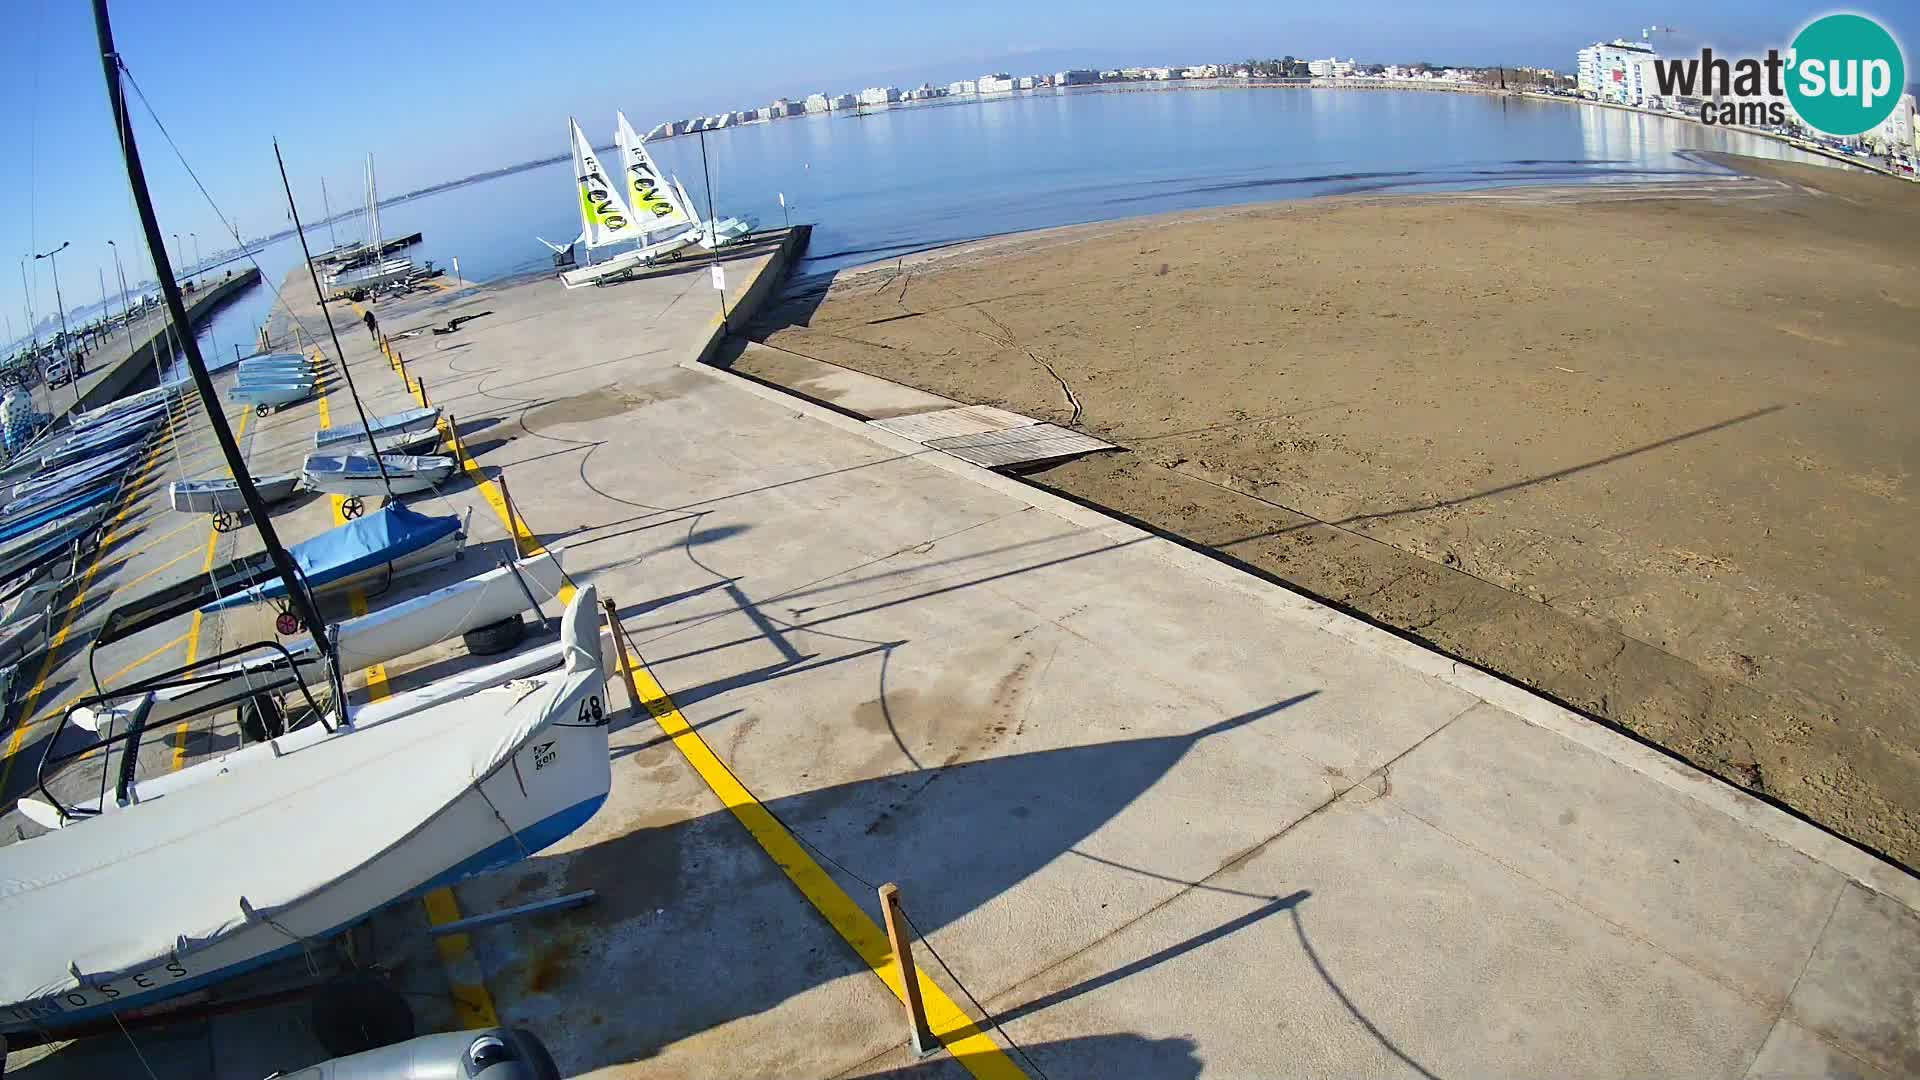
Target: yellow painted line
(150, 573)
(181, 731)
(472, 1002)
(112, 678)
(156, 541)
(59, 640)
(973, 1047)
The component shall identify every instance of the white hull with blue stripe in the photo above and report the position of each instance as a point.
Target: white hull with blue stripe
(302, 846)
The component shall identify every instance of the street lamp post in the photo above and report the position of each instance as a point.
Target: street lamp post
(73, 367)
(126, 311)
(198, 262)
(178, 259)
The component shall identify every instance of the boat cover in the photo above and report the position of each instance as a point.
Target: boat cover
(379, 425)
(219, 366)
(118, 886)
(360, 544)
(26, 522)
(60, 477)
(71, 487)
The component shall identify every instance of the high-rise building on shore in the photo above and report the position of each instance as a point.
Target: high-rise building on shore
(1619, 71)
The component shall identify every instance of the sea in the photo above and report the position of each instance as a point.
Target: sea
(893, 181)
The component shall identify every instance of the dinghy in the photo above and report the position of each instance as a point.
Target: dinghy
(391, 541)
(223, 496)
(412, 422)
(380, 814)
(264, 396)
(222, 499)
(376, 638)
(357, 474)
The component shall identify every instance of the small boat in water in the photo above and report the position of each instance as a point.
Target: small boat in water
(359, 475)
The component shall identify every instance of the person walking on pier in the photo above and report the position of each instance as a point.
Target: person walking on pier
(373, 326)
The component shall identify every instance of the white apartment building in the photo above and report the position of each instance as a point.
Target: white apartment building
(963, 86)
(1900, 131)
(1075, 77)
(1330, 68)
(879, 95)
(1619, 71)
(845, 101)
(998, 83)
(818, 103)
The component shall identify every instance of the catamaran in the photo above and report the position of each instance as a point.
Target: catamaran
(713, 234)
(607, 221)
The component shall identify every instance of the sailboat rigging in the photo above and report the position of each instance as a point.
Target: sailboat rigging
(300, 600)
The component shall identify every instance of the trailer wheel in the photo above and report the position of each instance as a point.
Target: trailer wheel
(496, 637)
(352, 507)
(223, 522)
(360, 1013)
(261, 719)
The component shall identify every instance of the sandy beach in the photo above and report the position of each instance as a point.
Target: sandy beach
(1649, 450)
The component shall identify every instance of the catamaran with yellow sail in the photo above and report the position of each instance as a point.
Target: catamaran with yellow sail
(608, 220)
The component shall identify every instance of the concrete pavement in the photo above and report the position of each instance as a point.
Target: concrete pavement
(1161, 817)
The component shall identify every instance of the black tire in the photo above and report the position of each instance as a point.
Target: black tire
(496, 637)
(360, 1013)
(261, 719)
(539, 1063)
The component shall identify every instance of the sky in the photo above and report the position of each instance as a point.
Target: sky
(438, 90)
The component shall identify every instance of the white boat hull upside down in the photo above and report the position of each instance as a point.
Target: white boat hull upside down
(356, 474)
(381, 815)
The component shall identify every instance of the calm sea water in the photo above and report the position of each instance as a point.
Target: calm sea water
(907, 179)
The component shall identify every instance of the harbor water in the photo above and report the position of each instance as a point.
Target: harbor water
(894, 181)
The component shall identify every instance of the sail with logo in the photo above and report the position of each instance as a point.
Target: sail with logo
(603, 213)
(654, 201)
(606, 218)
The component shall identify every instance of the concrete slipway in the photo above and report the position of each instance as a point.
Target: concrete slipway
(1160, 817)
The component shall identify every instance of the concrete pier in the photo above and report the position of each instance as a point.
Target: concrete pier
(1158, 817)
(116, 370)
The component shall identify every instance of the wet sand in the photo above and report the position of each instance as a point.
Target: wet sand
(1649, 450)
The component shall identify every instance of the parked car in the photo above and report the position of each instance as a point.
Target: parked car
(58, 373)
(487, 1054)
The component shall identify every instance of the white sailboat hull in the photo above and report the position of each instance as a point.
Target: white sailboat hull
(373, 638)
(625, 263)
(467, 787)
(407, 474)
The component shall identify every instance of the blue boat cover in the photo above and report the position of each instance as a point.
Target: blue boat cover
(361, 544)
(24, 523)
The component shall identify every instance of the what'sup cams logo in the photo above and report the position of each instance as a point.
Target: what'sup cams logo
(1843, 75)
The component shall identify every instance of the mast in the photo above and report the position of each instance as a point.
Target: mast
(373, 209)
(297, 594)
(333, 241)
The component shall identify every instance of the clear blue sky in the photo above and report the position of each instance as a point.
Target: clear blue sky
(440, 90)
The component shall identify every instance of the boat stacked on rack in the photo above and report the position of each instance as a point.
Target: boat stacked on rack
(274, 379)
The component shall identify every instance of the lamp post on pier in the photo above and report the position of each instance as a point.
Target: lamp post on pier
(73, 365)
